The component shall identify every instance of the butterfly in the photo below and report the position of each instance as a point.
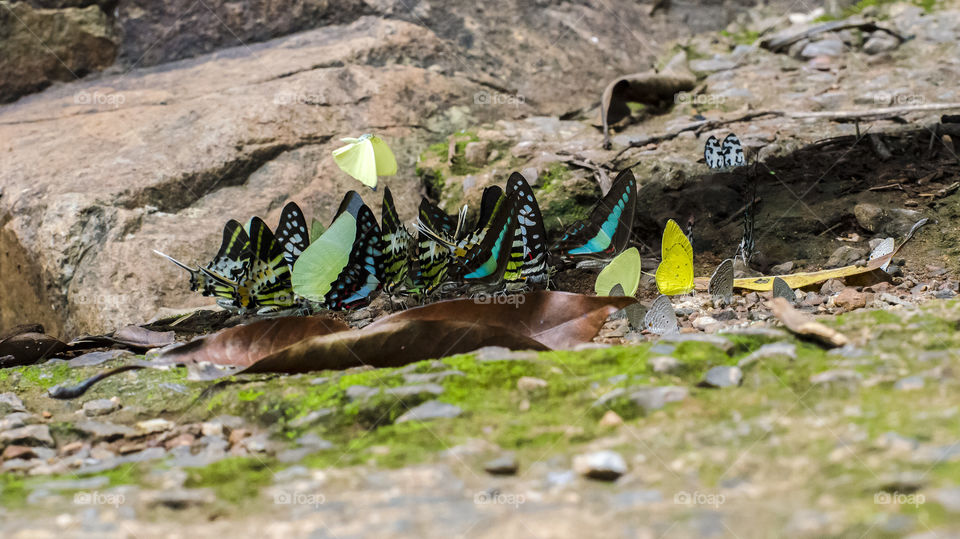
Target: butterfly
(365, 158)
(882, 249)
(675, 272)
(292, 234)
(396, 244)
(344, 267)
(723, 156)
(782, 290)
(721, 282)
(528, 254)
(607, 230)
(264, 286)
(230, 262)
(433, 258)
(623, 271)
(661, 318)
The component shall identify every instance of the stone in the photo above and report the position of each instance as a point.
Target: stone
(421, 391)
(74, 41)
(601, 465)
(611, 419)
(14, 420)
(724, 344)
(650, 399)
(430, 410)
(782, 269)
(948, 498)
(312, 417)
(100, 407)
(30, 435)
(832, 286)
(431, 377)
(475, 153)
(846, 255)
(314, 442)
(10, 403)
(212, 428)
(824, 47)
(850, 298)
(769, 351)
(153, 426)
(101, 431)
(19, 452)
(722, 376)
(880, 42)
(894, 222)
(529, 384)
(505, 464)
(713, 65)
(86, 483)
(893, 441)
(909, 383)
(356, 393)
(665, 364)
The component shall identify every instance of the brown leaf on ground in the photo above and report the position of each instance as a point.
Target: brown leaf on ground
(804, 325)
(650, 88)
(558, 320)
(391, 345)
(245, 345)
(28, 348)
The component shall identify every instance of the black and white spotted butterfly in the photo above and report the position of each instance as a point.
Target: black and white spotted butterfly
(723, 156)
(292, 234)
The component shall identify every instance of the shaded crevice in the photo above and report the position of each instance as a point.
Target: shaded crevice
(177, 193)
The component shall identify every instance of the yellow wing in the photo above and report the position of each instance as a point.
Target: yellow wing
(357, 159)
(386, 162)
(675, 272)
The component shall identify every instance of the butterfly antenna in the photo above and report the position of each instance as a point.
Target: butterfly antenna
(461, 221)
(424, 229)
(175, 261)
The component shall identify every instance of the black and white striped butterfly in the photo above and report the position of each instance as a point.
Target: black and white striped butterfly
(729, 154)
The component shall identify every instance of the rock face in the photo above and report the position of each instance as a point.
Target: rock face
(160, 157)
(39, 46)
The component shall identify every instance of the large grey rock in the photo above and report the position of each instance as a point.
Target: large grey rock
(30, 435)
(894, 222)
(824, 47)
(602, 465)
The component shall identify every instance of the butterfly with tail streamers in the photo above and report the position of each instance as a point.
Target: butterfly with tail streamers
(229, 264)
(433, 258)
(528, 255)
(396, 244)
(292, 233)
(607, 230)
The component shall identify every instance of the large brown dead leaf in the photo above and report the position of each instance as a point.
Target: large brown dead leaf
(393, 344)
(558, 320)
(649, 88)
(242, 346)
(28, 348)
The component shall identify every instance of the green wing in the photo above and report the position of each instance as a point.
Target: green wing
(319, 265)
(623, 270)
(358, 160)
(386, 162)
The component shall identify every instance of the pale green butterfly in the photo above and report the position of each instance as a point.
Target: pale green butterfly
(365, 159)
(624, 270)
(320, 264)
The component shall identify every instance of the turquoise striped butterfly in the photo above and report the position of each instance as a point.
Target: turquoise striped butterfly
(607, 230)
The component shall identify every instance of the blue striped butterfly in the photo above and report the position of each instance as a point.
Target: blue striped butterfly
(292, 233)
(396, 244)
(344, 266)
(528, 255)
(606, 232)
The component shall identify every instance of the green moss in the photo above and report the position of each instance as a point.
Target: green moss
(555, 175)
(742, 37)
(233, 479)
(248, 395)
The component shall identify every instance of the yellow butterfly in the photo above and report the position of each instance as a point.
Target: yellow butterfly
(675, 272)
(365, 159)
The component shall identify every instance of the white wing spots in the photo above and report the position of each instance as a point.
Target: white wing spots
(713, 153)
(732, 152)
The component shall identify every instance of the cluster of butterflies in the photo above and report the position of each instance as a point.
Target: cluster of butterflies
(342, 266)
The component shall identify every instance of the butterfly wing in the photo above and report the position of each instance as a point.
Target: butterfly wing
(386, 163)
(234, 254)
(661, 318)
(528, 256)
(713, 153)
(622, 271)
(675, 272)
(319, 265)
(396, 245)
(486, 260)
(732, 152)
(607, 230)
(363, 273)
(292, 232)
(358, 160)
(316, 229)
(268, 278)
(721, 282)
(882, 249)
(433, 259)
(782, 290)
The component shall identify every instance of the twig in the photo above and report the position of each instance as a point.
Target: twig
(778, 43)
(885, 187)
